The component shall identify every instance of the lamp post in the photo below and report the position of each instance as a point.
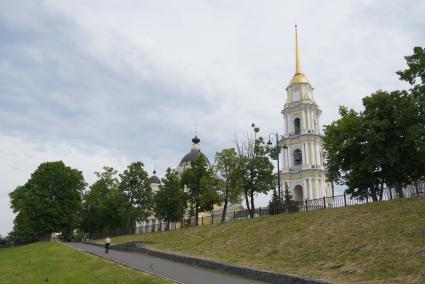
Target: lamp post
(269, 143)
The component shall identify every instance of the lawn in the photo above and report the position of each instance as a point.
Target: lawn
(57, 263)
(372, 243)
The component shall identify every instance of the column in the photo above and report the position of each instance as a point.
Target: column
(308, 119)
(311, 120)
(305, 189)
(286, 123)
(318, 192)
(310, 188)
(304, 121)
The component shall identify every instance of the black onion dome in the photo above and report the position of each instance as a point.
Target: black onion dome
(196, 140)
(154, 178)
(192, 156)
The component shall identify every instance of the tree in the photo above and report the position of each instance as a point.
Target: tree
(275, 205)
(348, 161)
(385, 143)
(255, 168)
(105, 206)
(170, 200)
(229, 189)
(198, 179)
(136, 186)
(415, 75)
(289, 204)
(50, 201)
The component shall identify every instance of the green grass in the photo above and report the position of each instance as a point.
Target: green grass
(57, 263)
(373, 243)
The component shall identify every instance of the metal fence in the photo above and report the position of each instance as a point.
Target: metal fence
(303, 206)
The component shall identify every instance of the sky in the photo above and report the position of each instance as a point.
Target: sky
(106, 83)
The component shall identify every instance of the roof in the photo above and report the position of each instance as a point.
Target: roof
(192, 156)
(154, 179)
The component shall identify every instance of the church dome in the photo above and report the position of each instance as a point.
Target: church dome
(154, 178)
(193, 154)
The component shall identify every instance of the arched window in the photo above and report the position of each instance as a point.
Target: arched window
(298, 157)
(297, 126)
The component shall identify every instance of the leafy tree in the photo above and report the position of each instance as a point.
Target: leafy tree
(255, 168)
(136, 186)
(105, 206)
(275, 205)
(50, 201)
(198, 179)
(384, 144)
(229, 189)
(348, 161)
(289, 204)
(170, 200)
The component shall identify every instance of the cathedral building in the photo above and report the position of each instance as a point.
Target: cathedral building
(303, 162)
(193, 155)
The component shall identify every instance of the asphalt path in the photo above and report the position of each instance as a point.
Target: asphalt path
(178, 272)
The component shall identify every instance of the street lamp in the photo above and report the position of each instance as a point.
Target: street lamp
(284, 147)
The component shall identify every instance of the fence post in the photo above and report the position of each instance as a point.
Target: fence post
(212, 217)
(234, 215)
(345, 199)
(260, 211)
(391, 193)
(417, 188)
(324, 202)
(306, 205)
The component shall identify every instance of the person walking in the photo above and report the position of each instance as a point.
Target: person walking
(107, 244)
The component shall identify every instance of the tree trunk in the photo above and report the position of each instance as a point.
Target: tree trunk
(373, 193)
(168, 225)
(399, 189)
(247, 201)
(196, 214)
(223, 215)
(252, 213)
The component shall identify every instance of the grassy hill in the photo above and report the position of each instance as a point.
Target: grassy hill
(373, 243)
(56, 263)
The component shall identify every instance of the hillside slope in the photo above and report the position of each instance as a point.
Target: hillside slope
(375, 243)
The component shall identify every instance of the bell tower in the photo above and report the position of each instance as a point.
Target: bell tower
(303, 164)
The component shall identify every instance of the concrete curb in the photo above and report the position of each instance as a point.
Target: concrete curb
(242, 271)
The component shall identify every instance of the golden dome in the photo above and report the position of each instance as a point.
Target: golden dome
(299, 78)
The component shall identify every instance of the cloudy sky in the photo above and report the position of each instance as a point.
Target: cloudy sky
(97, 83)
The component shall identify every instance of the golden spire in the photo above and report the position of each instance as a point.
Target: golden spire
(297, 53)
(298, 76)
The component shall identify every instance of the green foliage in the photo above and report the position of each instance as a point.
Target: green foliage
(254, 168)
(105, 204)
(136, 186)
(384, 144)
(275, 205)
(50, 201)
(170, 200)
(199, 179)
(289, 204)
(228, 183)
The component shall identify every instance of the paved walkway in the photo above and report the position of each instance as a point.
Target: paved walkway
(178, 272)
